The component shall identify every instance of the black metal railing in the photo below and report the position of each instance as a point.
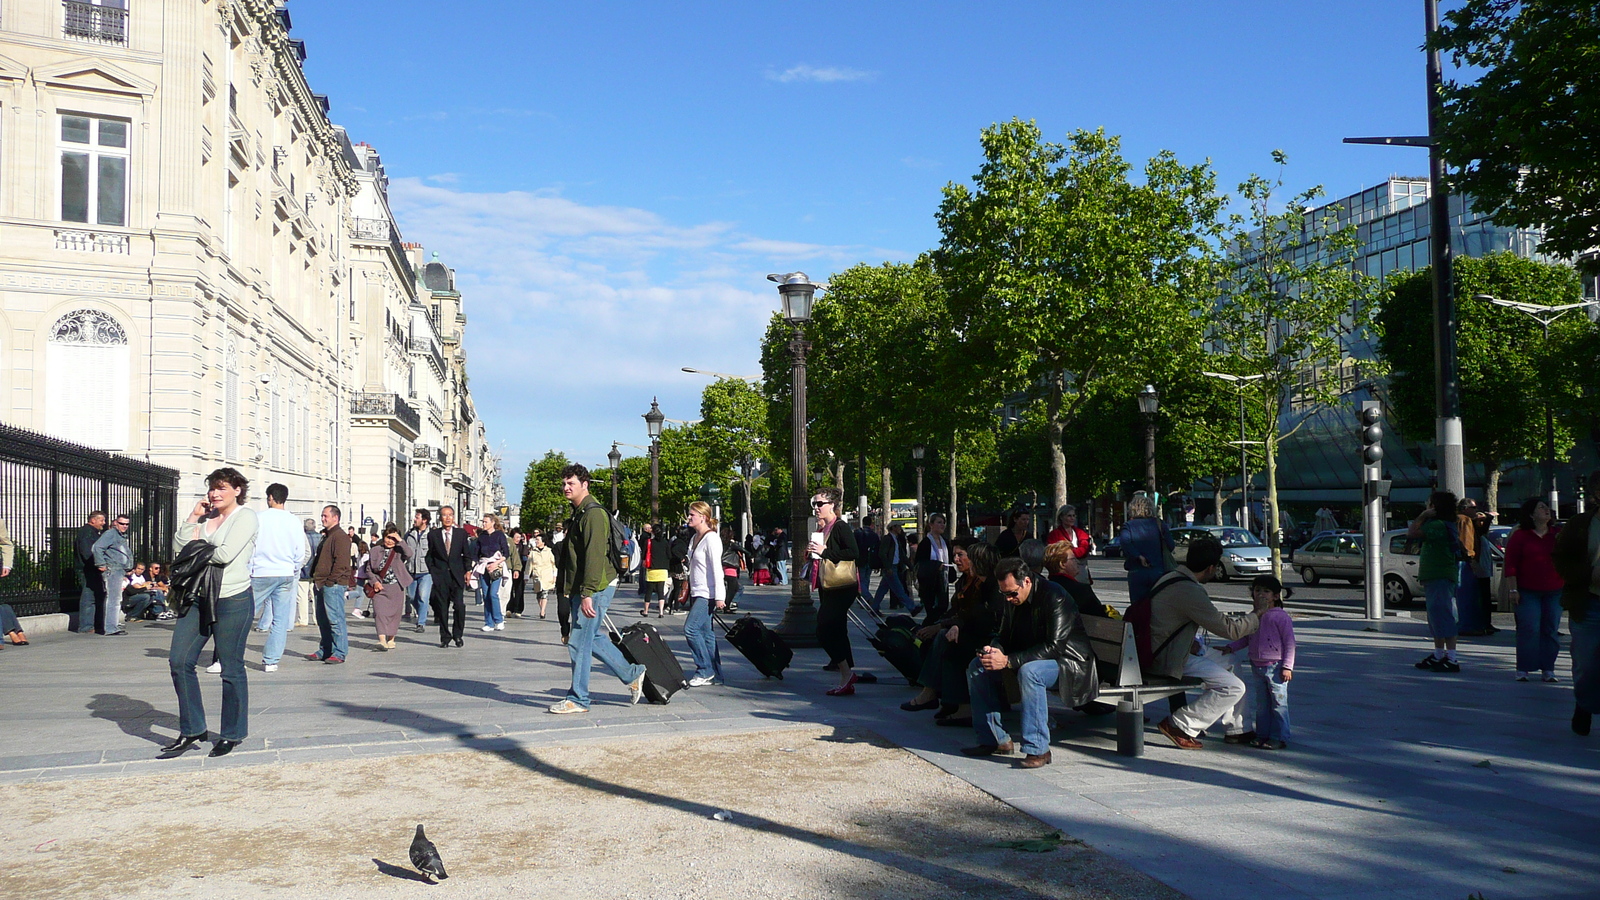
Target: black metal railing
(48, 487)
(384, 230)
(97, 23)
(366, 403)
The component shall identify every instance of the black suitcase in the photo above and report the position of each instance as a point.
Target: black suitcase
(643, 645)
(895, 640)
(759, 644)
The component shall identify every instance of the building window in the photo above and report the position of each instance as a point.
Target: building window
(86, 376)
(94, 170)
(96, 20)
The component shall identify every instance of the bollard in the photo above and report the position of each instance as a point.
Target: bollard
(1130, 729)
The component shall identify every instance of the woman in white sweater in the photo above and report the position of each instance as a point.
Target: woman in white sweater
(707, 591)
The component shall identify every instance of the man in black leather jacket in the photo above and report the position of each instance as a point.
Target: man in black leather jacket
(1040, 638)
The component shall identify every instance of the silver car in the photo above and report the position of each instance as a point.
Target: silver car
(1400, 558)
(1331, 556)
(1243, 554)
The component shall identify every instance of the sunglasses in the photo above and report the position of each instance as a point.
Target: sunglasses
(1010, 595)
(816, 504)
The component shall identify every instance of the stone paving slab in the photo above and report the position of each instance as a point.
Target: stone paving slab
(1381, 795)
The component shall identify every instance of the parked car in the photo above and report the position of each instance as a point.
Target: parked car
(1401, 554)
(1332, 555)
(1243, 554)
(1112, 549)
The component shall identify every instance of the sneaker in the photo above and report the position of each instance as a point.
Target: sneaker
(315, 657)
(636, 689)
(1446, 665)
(167, 616)
(500, 626)
(699, 681)
(215, 668)
(567, 707)
(270, 667)
(334, 660)
(1428, 661)
(488, 628)
(1522, 676)
(1550, 679)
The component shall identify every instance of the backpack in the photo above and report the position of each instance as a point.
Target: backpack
(1138, 615)
(617, 547)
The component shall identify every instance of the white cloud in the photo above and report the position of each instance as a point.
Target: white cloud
(823, 74)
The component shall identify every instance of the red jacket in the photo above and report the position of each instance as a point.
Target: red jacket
(1080, 549)
(1528, 560)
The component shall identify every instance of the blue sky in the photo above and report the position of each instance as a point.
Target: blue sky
(612, 181)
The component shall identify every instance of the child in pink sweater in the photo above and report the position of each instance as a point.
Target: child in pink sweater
(1272, 660)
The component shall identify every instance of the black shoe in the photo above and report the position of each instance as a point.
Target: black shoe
(954, 721)
(1427, 661)
(222, 748)
(866, 678)
(1446, 665)
(1580, 722)
(1243, 737)
(183, 743)
(444, 643)
(914, 706)
(460, 643)
(989, 749)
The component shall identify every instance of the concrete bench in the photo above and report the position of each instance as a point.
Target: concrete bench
(1117, 659)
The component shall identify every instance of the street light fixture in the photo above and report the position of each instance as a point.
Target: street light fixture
(799, 625)
(917, 452)
(652, 424)
(1545, 316)
(693, 371)
(615, 458)
(1148, 404)
(1239, 381)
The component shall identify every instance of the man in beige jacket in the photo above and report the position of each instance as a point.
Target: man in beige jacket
(6, 550)
(1179, 608)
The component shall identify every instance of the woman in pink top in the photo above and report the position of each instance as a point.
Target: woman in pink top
(1272, 661)
(1535, 588)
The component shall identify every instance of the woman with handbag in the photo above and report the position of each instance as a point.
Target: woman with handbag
(384, 579)
(833, 574)
(707, 593)
(492, 553)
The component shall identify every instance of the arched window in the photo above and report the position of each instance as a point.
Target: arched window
(86, 373)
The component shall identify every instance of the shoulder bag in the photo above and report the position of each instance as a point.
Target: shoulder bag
(374, 585)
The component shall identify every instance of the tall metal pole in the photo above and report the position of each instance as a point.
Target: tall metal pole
(922, 515)
(1372, 528)
(1150, 454)
(799, 625)
(1447, 388)
(1551, 491)
(1244, 472)
(655, 480)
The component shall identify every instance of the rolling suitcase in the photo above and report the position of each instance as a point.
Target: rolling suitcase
(895, 640)
(643, 645)
(759, 644)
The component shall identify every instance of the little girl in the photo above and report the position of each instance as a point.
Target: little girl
(1272, 659)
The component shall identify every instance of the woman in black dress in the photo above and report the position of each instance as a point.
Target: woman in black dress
(833, 541)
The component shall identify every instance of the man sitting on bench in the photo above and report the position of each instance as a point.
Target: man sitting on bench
(1040, 638)
(1179, 607)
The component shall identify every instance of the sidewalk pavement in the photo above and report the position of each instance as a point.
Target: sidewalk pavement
(1400, 783)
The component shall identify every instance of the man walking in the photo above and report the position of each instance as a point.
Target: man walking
(866, 555)
(448, 559)
(419, 596)
(585, 574)
(331, 577)
(113, 558)
(1179, 608)
(891, 558)
(94, 585)
(281, 551)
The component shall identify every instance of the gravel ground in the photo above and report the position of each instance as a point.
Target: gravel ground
(815, 813)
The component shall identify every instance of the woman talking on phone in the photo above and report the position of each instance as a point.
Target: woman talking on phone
(222, 520)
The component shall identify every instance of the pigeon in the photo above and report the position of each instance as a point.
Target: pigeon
(425, 856)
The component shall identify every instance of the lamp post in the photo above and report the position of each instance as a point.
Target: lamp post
(799, 625)
(1239, 381)
(917, 452)
(1545, 316)
(652, 424)
(1148, 404)
(615, 458)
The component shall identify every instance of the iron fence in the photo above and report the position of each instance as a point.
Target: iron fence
(48, 487)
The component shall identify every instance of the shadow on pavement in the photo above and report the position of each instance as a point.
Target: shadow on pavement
(464, 686)
(394, 871)
(136, 718)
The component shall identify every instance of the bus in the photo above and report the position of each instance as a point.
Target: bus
(905, 513)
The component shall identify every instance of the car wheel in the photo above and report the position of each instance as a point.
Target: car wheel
(1395, 592)
(1222, 572)
(1309, 575)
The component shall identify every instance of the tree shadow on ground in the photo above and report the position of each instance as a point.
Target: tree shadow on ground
(464, 686)
(136, 718)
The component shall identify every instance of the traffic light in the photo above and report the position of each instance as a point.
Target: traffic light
(1371, 434)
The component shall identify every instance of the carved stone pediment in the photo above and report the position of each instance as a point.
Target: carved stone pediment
(87, 74)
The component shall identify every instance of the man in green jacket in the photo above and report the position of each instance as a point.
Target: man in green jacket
(585, 575)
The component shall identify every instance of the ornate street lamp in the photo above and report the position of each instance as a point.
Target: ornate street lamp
(1148, 404)
(917, 452)
(799, 625)
(652, 424)
(615, 458)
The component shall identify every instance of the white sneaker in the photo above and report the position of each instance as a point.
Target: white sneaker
(270, 667)
(488, 628)
(500, 626)
(215, 668)
(636, 689)
(567, 707)
(697, 681)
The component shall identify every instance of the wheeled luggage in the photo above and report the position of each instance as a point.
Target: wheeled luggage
(643, 645)
(895, 640)
(759, 644)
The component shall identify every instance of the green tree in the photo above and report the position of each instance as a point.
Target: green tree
(1522, 135)
(1066, 279)
(1508, 374)
(542, 502)
(1289, 310)
(733, 428)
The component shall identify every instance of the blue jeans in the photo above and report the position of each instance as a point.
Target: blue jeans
(702, 640)
(331, 621)
(1141, 580)
(864, 575)
(588, 639)
(94, 584)
(1272, 702)
(1586, 656)
(988, 695)
(1470, 616)
(1538, 622)
(489, 590)
(890, 581)
(419, 595)
(275, 612)
(230, 631)
(783, 571)
(1441, 599)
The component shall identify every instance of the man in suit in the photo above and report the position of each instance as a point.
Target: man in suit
(449, 558)
(91, 601)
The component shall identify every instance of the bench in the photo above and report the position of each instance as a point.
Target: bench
(1117, 659)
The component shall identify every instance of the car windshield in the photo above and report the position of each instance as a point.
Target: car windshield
(1238, 537)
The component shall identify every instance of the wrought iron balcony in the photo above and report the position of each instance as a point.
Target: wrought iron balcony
(383, 230)
(372, 405)
(96, 23)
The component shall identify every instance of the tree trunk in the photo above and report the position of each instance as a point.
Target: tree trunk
(1217, 498)
(838, 477)
(749, 509)
(1058, 459)
(954, 508)
(1491, 494)
(1273, 526)
(888, 512)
